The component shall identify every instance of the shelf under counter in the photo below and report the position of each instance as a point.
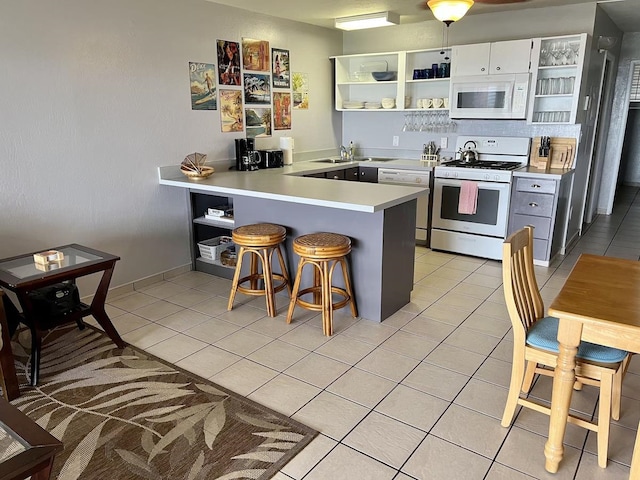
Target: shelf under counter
(230, 224)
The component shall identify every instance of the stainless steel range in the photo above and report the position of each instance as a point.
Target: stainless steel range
(481, 176)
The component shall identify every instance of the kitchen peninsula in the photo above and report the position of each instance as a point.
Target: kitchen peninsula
(379, 219)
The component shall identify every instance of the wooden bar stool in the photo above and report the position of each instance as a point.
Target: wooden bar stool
(260, 240)
(324, 251)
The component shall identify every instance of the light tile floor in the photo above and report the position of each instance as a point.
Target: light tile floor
(417, 396)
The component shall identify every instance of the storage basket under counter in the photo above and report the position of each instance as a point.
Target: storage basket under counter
(212, 250)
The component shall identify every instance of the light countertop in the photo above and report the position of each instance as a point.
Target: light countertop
(288, 184)
(553, 173)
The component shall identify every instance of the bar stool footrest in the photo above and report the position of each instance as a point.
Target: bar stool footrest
(260, 291)
(317, 307)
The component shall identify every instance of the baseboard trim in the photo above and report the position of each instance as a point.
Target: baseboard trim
(143, 282)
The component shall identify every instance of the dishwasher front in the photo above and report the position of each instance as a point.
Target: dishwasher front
(414, 178)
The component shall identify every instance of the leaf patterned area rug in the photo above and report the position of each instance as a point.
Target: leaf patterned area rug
(125, 414)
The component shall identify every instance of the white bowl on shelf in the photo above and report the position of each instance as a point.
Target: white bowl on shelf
(388, 102)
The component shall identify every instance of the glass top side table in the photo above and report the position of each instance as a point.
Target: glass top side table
(30, 450)
(21, 275)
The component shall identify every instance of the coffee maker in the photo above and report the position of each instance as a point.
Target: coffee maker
(243, 148)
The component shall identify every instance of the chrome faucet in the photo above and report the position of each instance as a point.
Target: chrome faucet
(343, 152)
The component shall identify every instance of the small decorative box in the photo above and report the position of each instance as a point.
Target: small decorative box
(49, 256)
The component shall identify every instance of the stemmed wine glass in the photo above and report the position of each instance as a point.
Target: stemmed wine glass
(544, 55)
(575, 48)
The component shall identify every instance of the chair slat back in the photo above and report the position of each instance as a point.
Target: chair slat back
(521, 292)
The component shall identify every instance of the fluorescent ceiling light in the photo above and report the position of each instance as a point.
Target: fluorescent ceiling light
(370, 20)
(449, 11)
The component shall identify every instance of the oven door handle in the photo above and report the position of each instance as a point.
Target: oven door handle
(457, 183)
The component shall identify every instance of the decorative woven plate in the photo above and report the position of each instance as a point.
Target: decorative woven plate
(203, 172)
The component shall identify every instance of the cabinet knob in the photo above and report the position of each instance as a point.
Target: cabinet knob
(497, 68)
(482, 69)
(362, 173)
(533, 204)
(535, 185)
(336, 177)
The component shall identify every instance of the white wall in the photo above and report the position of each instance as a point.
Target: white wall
(95, 95)
(629, 53)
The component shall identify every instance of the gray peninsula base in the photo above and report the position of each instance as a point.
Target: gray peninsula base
(383, 246)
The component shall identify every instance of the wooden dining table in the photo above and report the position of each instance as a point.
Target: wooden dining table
(599, 303)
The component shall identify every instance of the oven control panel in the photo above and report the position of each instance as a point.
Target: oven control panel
(473, 174)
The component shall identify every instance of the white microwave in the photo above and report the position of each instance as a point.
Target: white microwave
(489, 96)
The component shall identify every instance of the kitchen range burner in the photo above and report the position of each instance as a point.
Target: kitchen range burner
(484, 164)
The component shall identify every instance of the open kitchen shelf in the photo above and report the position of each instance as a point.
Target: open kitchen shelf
(560, 67)
(205, 228)
(354, 83)
(222, 222)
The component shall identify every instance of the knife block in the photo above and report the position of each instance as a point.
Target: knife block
(561, 154)
(541, 163)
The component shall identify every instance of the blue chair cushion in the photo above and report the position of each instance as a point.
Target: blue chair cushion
(544, 335)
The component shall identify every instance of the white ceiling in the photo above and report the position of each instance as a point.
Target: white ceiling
(625, 13)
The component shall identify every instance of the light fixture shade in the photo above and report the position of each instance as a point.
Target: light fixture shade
(449, 11)
(606, 43)
(370, 20)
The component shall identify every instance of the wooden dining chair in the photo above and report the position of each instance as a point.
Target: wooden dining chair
(535, 346)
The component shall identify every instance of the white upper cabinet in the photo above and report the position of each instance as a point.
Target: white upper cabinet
(557, 78)
(495, 58)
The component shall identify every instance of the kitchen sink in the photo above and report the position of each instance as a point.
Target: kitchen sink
(374, 159)
(332, 160)
(357, 159)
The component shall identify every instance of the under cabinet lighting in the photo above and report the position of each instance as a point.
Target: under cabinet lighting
(370, 20)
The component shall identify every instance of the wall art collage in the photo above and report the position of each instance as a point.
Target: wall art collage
(253, 85)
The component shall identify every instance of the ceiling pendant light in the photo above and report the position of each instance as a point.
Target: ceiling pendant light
(449, 11)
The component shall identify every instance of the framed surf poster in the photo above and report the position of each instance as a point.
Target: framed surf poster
(202, 77)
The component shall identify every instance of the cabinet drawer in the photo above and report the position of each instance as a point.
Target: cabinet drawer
(533, 204)
(541, 225)
(535, 185)
(540, 249)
